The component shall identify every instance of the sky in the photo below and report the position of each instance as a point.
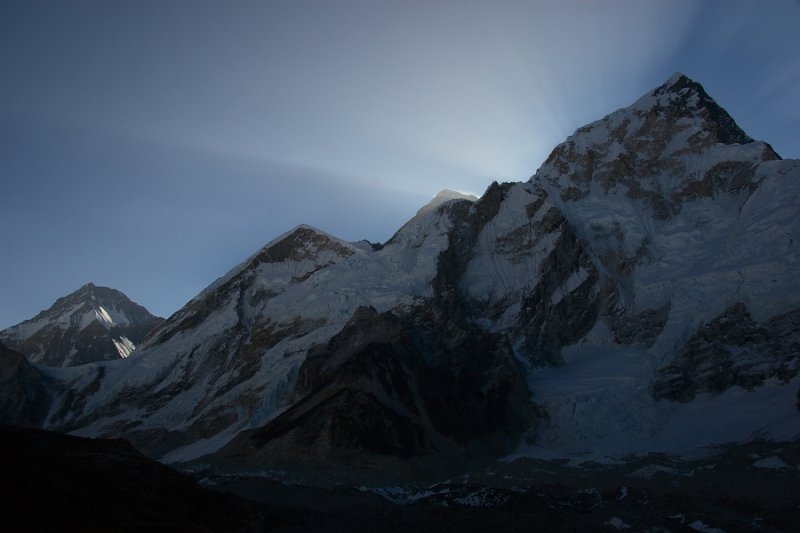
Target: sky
(152, 145)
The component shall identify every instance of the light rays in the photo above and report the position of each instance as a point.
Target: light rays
(350, 110)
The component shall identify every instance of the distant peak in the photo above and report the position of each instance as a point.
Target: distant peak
(85, 292)
(304, 228)
(92, 289)
(91, 293)
(445, 195)
(301, 235)
(296, 235)
(676, 77)
(301, 242)
(678, 82)
(448, 194)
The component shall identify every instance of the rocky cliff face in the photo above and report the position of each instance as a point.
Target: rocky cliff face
(406, 385)
(91, 324)
(650, 261)
(733, 350)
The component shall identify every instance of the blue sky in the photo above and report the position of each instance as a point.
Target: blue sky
(152, 145)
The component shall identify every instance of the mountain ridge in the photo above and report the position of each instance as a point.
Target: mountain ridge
(581, 289)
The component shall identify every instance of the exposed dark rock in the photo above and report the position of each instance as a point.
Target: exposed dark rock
(729, 176)
(550, 322)
(397, 386)
(733, 350)
(548, 319)
(642, 328)
(468, 220)
(374, 246)
(642, 155)
(303, 244)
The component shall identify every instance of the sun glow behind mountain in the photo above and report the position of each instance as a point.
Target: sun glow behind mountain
(203, 130)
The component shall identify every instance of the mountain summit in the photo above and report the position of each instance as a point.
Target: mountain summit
(91, 324)
(643, 282)
(445, 195)
(673, 144)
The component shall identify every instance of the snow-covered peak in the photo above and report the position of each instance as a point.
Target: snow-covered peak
(241, 295)
(673, 145)
(429, 220)
(81, 308)
(303, 243)
(448, 194)
(88, 287)
(92, 319)
(445, 195)
(680, 96)
(675, 77)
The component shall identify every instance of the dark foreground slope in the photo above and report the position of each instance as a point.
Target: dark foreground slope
(746, 487)
(55, 482)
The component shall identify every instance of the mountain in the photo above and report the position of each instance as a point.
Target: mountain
(692, 225)
(445, 195)
(641, 292)
(229, 360)
(91, 324)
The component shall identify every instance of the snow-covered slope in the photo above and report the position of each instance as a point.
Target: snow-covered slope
(646, 273)
(228, 360)
(696, 226)
(91, 324)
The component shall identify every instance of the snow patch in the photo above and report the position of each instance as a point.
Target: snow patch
(102, 316)
(617, 523)
(698, 525)
(572, 283)
(445, 195)
(124, 346)
(773, 463)
(404, 495)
